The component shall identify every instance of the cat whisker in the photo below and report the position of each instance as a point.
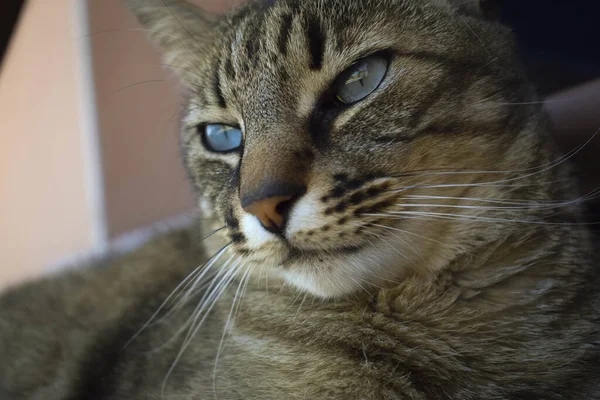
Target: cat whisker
(390, 246)
(402, 230)
(245, 288)
(194, 289)
(490, 208)
(471, 218)
(183, 284)
(211, 261)
(378, 276)
(210, 291)
(295, 300)
(215, 290)
(191, 286)
(407, 232)
(368, 283)
(180, 68)
(232, 312)
(530, 103)
(126, 30)
(181, 24)
(196, 313)
(472, 185)
(136, 84)
(413, 248)
(360, 286)
(202, 313)
(510, 203)
(537, 170)
(464, 22)
(483, 200)
(463, 217)
(137, 30)
(178, 113)
(302, 303)
(189, 295)
(267, 281)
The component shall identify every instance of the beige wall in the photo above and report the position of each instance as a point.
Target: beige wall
(44, 205)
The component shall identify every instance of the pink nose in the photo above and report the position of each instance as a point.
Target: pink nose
(269, 211)
(271, 203)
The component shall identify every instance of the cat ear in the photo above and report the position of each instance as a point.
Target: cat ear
(487, 9)
(179, 29)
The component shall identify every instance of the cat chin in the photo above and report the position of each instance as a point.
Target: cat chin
(319, 286)
(334, 277)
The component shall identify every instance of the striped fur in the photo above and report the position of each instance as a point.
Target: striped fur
(437, 253)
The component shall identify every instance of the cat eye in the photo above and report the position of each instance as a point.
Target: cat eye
(221, 138)
(362, 79)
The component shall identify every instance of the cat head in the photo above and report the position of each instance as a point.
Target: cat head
(345, 143)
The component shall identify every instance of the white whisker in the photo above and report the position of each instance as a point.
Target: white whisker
(390, 246)
(202, 314)
(182, 285)
(427, 238)
(489, 208)
(359, 285)
(236, 299)
(536, 170)
(194, 315)
(298, 311)
(407, 232)
(470, 218)
(483, 200)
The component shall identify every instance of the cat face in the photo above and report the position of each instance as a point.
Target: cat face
(336, 140)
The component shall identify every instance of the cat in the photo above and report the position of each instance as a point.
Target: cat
(385, 216)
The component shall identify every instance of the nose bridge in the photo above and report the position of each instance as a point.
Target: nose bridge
(273, 175)
(274, 163)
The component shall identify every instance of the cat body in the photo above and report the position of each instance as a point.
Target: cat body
(76, 337)
(416, 236)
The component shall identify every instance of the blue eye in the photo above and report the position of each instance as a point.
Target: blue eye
(222, 138)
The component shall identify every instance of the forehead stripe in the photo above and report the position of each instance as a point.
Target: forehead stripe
(229, 69)
(284, 33)
(316, 43)
(218, 90)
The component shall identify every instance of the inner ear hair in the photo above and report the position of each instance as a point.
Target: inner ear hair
(178, 28)
(171, 16)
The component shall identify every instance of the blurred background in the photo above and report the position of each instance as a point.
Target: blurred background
(89, 119)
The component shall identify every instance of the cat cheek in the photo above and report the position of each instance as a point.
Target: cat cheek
(306, 214)
(206, 208)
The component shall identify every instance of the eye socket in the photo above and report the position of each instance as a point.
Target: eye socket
(221, 138)
(362, 79)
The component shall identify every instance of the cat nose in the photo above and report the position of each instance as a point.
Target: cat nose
(271, 204)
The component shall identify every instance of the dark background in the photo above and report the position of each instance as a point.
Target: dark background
(9, 12)
(558, 40)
